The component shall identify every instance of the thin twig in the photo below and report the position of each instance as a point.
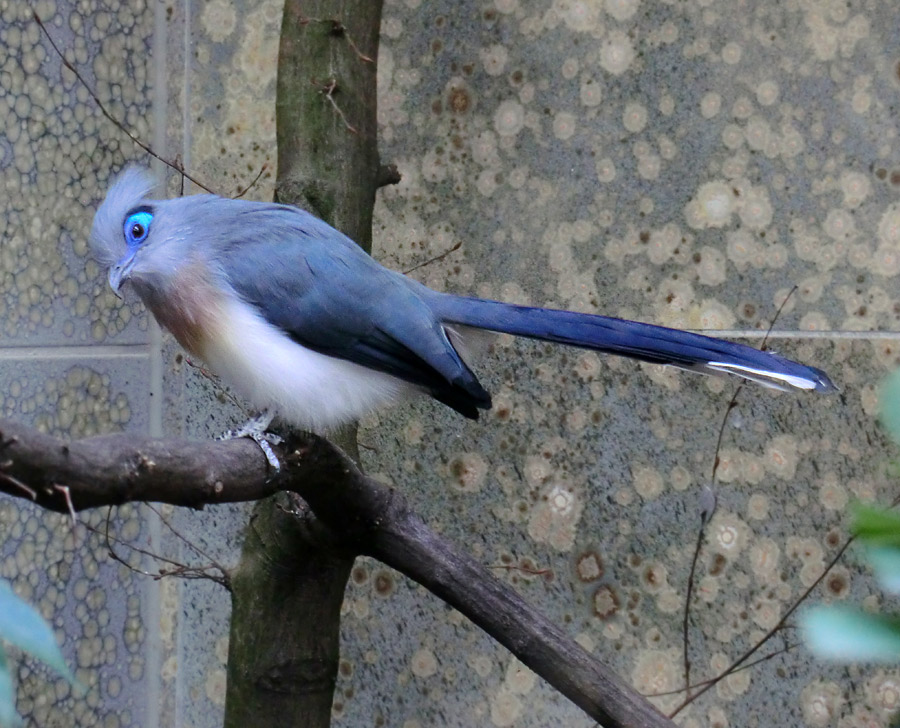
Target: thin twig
(435, 259)
(67, 494)
(685, 622)
(193, 546)
(708, 502)
(183, 571)
(338, 28)
(180, 165)
(246, 189)
(777, 315)
(16, 483)
(5, 443)
(733, 403)
(685, 630)
(327, 89)
(112, 551)
(787, 648)
(768, 635)
(178, 168)
(523, 569)
(216, 382)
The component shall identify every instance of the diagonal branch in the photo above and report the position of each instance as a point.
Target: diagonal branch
(360, 513)
(176, 165)
(116, 469)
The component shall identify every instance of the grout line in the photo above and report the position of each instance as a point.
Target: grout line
(186, 95)
(154, 650)
(55, 352)
(802, 335)
(103, 351)
(182, 692)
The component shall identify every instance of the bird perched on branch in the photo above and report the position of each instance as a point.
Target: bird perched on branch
(306, 326)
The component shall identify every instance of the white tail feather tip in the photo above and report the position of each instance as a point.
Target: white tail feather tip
(765, 377)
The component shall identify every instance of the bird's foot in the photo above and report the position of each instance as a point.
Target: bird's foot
(255, 428)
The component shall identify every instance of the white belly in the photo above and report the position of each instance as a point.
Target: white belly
(306, 389)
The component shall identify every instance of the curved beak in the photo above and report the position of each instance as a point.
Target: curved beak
(120, 272)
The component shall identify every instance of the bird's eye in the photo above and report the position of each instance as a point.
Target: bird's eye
(137, 226)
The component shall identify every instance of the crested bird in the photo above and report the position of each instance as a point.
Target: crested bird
(306, 326)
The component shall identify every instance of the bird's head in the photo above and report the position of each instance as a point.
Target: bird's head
(139, 239)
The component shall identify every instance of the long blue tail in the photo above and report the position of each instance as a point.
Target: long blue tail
(645, 342)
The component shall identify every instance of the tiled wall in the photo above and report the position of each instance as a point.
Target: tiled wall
(685, 163)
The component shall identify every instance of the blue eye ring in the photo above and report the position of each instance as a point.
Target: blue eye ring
(137, 225)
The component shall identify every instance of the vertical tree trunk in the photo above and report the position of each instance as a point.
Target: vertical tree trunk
(288, 588)
(326, 123)
(283, 654)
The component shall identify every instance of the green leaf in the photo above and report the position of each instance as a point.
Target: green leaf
(848, 635)
(889, 404)
(876, 526)
(8, 716)
(22, 626)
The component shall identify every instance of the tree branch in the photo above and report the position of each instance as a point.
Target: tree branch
(388, 174)
(116, 469)
(357, 513)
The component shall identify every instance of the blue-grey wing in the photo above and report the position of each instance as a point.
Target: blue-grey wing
(324, 292)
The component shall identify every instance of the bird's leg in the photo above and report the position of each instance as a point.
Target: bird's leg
(255, 428)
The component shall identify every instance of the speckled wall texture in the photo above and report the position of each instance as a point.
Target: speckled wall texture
(683, 162)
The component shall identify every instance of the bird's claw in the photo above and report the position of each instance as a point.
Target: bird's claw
(255, 429)
(264, 445)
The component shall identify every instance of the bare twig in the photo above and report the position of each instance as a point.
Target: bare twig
(15, 483)
(685, 621)
(250, 186)
(732, 403)
(191, 544)
(115, 556)
(179, 164)
(67, 494)
(765, 658)
(523, 569)
(339, 29)
(118, 124)
(740, 386)
(221, 390)
(768, 635)
(777, 315)
(327, 89)
(707, 513)
(435, 259)
(4, 444)
(180, 570)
